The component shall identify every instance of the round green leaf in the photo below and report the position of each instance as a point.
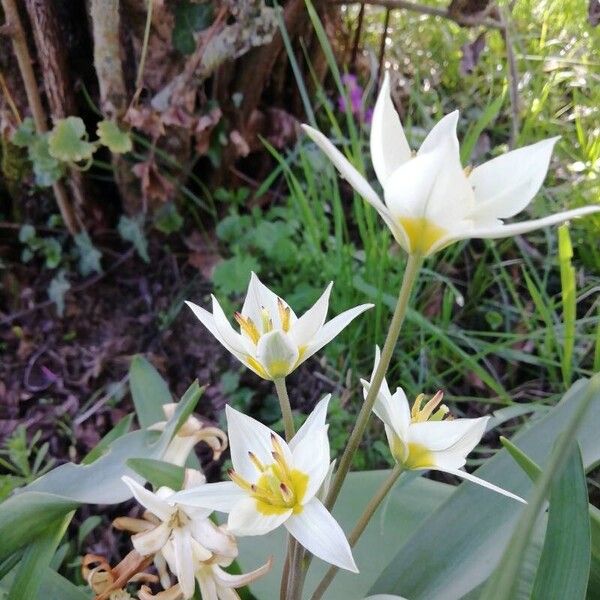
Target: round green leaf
(115, 139)
(67, 141)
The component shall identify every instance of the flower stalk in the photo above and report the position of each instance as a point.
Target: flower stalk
(413, 267)
(361, 525)
(286, 409)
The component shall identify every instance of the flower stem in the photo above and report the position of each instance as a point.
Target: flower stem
(361, 525)
(286, 409)
(411, 272)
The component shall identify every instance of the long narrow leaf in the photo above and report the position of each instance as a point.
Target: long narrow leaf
(148, 390)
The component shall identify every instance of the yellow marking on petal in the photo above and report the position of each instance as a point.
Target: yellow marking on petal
(248, 327)
(258, 368)
(421, 233)
(284, 314)
(419, 457)
(279, 368)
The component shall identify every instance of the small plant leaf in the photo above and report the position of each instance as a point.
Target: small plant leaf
(59, 286)
(115, 139)
(190, 17)
(67, 141)
(168, 219)
(25, 134)
(131, 229)
(89, 255)
(46, 168)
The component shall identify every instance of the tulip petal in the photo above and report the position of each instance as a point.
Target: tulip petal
(208, 586)
(259, 296)
(245, 519)
(483, 483)
(389, 147)
(214, 538)
(320, 533)
(149, 500)
(310, 449)
(442, 133)
(221, 496)
(230, 580)
(346, 170)
(150, 542)
(277, 354)
(511, 229)
(505, 185)
(307, 326)
(248, 435)
(333, 328)
(184, 563)
(232, 338)
(456, 435)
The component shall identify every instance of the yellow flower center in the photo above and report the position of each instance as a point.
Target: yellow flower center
(422, 234)
(279, 487)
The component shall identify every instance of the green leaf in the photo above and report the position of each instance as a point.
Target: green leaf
(406, 507)
(26, 233)
(149, 391)
(36, 559)
(532, 470)
(119, 430)
(59, 286)
(568, 290)
(25, 134)
(67, 141)
(114, 138)
(131, 229)
(189, 18)
(26, 515)
(52, 252)
(89, 255)
(458, 546)
(168, 219)
(231, 275)
(158, 472)
(504, 581)
(56, 586)
(47, 169)
(565, 563)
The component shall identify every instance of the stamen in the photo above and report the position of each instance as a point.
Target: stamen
(286, 493)
(239, 480)
(468, 170)
(440, 413)
(267, 323)
(248, 327)
(284, 314)
(416, 407)
(256, 462)
(428, 409)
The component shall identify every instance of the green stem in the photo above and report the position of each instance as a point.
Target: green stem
(413, 266)
(287, 577)
(286, 409)
(361, 525)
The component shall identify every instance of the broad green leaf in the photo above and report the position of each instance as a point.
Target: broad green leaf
(565, 562)
(35, 560)
(190, 17)
(120, 429)
(131, 229)
(56, 586)
(67, 141)
(25, 515)
(505, 578)
(89, 255)
(457, 547)
(148, 390)
(158, 472)
(114, 138)
(409, 503)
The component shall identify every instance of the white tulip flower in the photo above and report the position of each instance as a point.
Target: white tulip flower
(182, 526)
(275, 484)
(272, 341)
(420, 438)
(430, 200)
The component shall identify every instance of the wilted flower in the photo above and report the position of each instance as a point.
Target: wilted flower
(274, 484)
(182, 526)
(422, 439)
(272, 341)
(430, 200)
(188, 435)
